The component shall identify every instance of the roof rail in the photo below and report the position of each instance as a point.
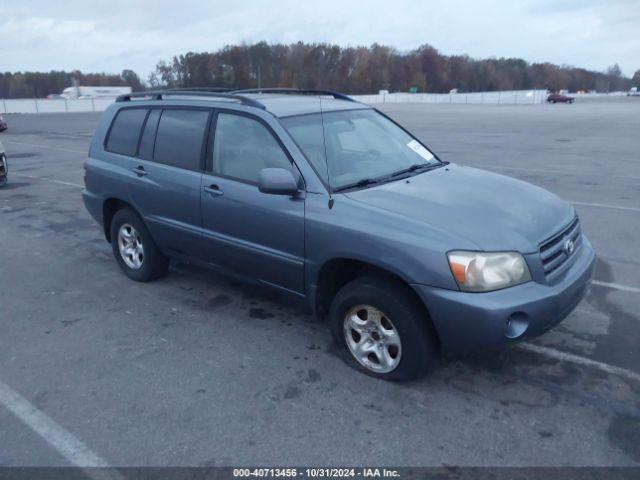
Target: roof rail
(199, 89)
(160, 94)
(297, 91)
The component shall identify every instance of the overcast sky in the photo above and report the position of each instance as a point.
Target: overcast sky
(97, 36)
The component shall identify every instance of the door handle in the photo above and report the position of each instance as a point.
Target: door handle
(214, 190)
(140, 171)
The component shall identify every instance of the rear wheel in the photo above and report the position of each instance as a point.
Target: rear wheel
(134, 249)
(382, 330)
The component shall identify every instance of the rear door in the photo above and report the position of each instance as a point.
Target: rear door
(110, 171)
(167, 174)
(252, 233)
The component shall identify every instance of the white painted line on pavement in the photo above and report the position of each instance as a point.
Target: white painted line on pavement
(69, 184)
(603, 205)
(48, 147)
(76, 452)
(587, 362)
(616, 286)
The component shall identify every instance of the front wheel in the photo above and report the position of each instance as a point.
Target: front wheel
(382, 330)
(134, 249)
(3, 181)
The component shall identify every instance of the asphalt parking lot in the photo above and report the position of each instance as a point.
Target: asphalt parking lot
(196, 369)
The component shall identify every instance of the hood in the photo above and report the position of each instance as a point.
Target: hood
(490, 210)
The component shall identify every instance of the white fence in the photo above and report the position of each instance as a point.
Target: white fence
(514, 97)
(510, 97)
(43, 105)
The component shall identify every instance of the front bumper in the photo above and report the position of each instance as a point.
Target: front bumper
(471, 321)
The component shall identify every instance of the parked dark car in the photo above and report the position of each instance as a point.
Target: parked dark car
(330, 201)
(558, 98)
(3, 124)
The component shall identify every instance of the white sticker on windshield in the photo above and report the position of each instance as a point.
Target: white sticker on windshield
(420, 150)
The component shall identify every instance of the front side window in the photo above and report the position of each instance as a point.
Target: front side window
(244, 146)
(359, 144)
(125, 131)
(180, 137)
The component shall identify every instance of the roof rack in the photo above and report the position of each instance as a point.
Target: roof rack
(298, 91)
(199, 89)
(160, 94)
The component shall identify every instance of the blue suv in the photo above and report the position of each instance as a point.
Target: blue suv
(329, 200)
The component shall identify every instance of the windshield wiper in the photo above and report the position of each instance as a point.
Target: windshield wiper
(360, 183)
(387, 178)
(414, 167)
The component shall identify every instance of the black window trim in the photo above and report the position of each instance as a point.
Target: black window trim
(144, 126)
(113, 121)
(211, 137)
(209, 166)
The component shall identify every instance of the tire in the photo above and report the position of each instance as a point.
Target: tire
(359, 304)
(3, 181)
(144, 262)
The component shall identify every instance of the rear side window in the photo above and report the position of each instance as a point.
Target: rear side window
(180, 138)
(125, 131)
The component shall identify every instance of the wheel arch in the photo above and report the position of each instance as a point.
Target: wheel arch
(337, 272)
(333, 274)
(109, 208)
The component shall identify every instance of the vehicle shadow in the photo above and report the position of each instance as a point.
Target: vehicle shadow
(487, 373)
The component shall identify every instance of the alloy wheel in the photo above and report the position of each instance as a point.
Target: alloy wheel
(130, 246)
(372, 338)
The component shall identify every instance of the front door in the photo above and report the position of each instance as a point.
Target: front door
(252, 233)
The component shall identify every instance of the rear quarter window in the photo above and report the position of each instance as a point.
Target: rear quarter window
(125, 131)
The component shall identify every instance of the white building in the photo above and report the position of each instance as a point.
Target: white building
(94, 92)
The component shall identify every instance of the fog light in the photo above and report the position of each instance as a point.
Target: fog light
(516, 325)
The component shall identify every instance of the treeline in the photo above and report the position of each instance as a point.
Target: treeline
(369, 69)
(331, 67)
(41, 84)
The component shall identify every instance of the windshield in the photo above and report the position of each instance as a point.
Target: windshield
(360, 145)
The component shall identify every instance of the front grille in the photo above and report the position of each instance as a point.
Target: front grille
(554, 252)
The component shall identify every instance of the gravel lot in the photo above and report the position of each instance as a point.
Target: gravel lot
(196, 369)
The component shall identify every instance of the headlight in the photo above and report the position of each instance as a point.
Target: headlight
(483, 272)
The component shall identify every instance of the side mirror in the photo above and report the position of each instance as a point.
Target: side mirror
(277, 181)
